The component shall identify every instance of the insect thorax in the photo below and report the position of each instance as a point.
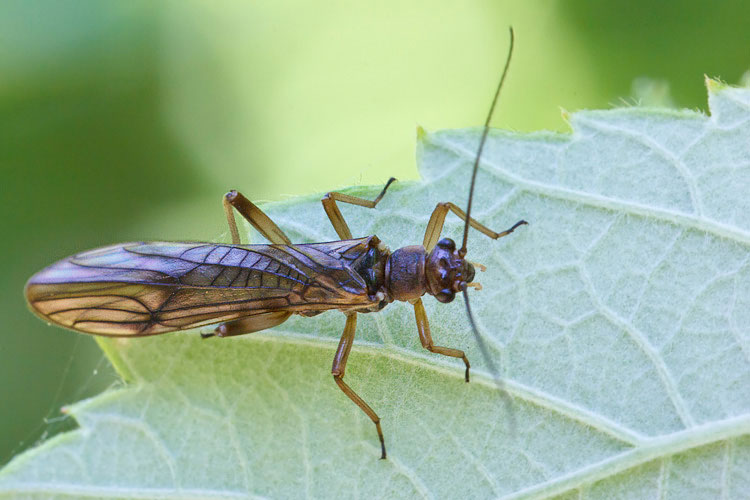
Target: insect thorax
(372, 267)
(405, 273)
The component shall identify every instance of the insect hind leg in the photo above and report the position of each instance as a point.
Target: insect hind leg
(250, 324)
(255, 216)
(334, 214)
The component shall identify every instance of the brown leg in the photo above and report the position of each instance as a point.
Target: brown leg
(254, 216)
(424, 336)
(339, 367)
(437, 219)
(250, 324)
(334, 214)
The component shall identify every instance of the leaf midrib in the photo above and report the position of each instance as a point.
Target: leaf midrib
(643, 449)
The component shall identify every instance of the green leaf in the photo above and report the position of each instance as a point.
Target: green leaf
(620, 317)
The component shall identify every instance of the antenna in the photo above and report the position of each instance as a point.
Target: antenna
(485, 131)
(507, 400)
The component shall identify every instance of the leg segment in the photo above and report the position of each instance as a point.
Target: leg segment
(249, 324)
(437, 219)
(334, 214)
(339, 367)
(254, 216)
(426, 338)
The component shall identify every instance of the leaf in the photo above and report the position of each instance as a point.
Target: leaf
(620, 317)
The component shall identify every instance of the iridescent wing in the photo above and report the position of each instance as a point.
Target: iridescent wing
(137, 289)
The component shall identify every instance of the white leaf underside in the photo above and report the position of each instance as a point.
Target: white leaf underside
(620, 317)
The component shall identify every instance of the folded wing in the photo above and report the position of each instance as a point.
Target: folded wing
(138, 289)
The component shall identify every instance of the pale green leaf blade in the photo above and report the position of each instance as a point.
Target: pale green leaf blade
(620, 317)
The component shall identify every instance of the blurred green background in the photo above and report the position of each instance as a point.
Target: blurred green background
(129, 120)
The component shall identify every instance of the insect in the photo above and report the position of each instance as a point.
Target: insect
(150, 288)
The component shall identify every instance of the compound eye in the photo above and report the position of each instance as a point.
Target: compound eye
(447, 244)
(469, 273)
(445, 295)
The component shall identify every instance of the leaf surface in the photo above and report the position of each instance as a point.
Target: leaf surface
(620, 318)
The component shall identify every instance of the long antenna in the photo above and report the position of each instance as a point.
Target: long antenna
(485, 131)
(507, 400)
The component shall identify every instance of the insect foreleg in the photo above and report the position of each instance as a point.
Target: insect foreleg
(334, 214)
(255, 216)
(339, 367)
(437, 219)
(426, 338)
